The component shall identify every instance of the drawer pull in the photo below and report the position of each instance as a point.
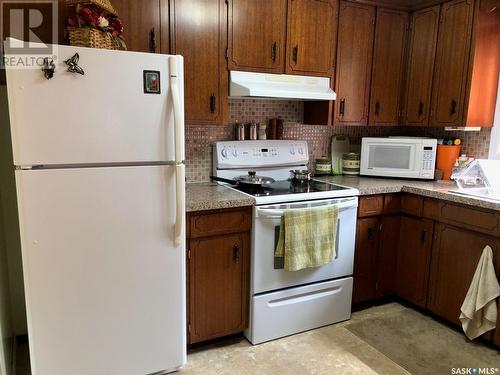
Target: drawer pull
(304, 297)
(236, 253)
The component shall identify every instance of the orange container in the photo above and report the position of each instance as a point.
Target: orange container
(446, 158)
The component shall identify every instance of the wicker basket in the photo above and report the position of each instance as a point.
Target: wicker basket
(93, 38)
(103, 4)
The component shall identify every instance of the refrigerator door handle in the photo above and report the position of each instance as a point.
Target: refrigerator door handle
(180, 192)
(179, 148)
(178, 112)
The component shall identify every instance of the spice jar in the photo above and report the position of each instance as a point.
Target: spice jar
(323, 167)
(351, 164)
(252, 132)
(240, 131)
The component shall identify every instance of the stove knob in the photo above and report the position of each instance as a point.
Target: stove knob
(292, 151)
(224, 153)
(301, 151)
(235, 153)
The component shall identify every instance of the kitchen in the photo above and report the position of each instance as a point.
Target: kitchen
(405, 250)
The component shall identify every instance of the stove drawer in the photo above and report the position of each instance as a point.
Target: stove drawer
(279, 314)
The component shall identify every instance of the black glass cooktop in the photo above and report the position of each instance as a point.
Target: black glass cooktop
(287, 187)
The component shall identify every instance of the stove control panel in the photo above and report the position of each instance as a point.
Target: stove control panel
(263, 153)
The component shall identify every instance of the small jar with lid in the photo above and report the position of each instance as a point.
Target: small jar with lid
(351, 164)
(323, 167)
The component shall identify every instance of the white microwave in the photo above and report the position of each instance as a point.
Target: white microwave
(403, 157)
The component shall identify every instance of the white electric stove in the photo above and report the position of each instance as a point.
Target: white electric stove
(283, 303)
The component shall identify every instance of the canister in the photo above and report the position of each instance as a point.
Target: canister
(351, 163)
(323, 167)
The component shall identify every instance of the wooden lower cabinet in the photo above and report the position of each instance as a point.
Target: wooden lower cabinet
(414, 259)
(388, 255)
(218, 268)
(365, 259)
(455, 255)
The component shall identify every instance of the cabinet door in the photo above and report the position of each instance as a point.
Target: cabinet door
(388, 65)
(311, 36)
(421, 55)
(354, 62)
(257, 30)
(388, 255)
(452, 62)
(455, 255)
(218, 286)
(365, 259)
(198, 32)
(414, 259)
(141, 24)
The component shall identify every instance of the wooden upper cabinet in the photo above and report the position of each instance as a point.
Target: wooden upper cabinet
(388, 67)
(452, 63)
(257, 31)
(421, 55)
(198, 32)
(142, 28)
(484, 66)
(311, 36)
(414, 259)
(455, 256)
(354, 63)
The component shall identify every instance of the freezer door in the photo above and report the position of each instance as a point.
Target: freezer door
(105, 284)
(103, 116)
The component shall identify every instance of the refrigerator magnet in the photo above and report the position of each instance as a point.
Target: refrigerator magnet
(151, 82)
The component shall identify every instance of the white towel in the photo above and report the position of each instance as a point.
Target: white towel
(479, 310)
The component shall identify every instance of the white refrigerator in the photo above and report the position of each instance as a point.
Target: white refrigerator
(99, 166)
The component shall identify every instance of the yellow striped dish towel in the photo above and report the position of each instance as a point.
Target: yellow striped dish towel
(307, 237)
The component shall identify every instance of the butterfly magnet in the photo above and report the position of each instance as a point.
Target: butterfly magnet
(72, 64)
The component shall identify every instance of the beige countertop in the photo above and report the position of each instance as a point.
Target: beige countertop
(211, 196)
(432, 189)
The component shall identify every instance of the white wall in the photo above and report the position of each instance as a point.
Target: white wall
(10, 221)
(495, 133)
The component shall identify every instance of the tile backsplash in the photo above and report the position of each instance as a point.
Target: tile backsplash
(199, 139)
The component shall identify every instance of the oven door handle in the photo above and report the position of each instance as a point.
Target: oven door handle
(270, 213)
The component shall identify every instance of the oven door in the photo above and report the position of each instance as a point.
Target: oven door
(267, 219)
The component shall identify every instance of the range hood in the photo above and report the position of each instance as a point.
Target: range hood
(280, 86)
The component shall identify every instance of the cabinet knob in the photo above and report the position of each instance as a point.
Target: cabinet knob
(342, 107)
(152, 40)
(295, 54)
(370, 233)
(212, 103)
(423, 236)
(420, 108)
(273, 51)
(236, 253)
(453, 107)
(377, 108)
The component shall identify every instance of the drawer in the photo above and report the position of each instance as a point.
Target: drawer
(219, 222)
(279, 314)
(412, 205)
(467, 217)
(371, 205)
(392, 203)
